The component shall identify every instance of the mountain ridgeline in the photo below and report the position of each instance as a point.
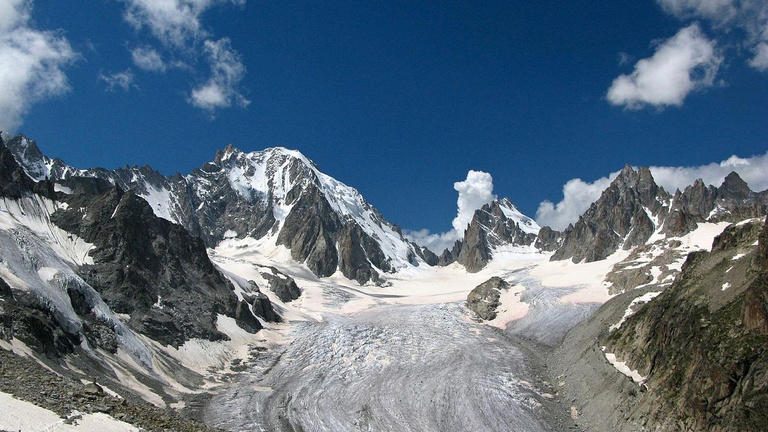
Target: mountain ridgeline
(279, 196)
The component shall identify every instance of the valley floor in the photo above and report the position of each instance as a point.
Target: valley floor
(405, 368)
(407, 357)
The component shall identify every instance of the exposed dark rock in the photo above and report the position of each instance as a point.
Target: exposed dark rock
(261, 306)
(619, 218)
(548, 239)
(449, 255)
(283, 285)
(216, 200)
(483, 300)
(703, 342)
(427, 255)
(147, 267)
(490, 227)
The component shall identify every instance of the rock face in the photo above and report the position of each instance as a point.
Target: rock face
(496, 224)
(483, 300)
(140, 265)
(283, 285)
(633, 208)
(703, 342)
(276, 193)
(548, 239)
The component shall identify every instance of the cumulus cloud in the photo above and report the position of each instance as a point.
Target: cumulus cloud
(474, 192)
(578, 195)
(32, 63)
(118, 80)
(750, 16)
(148, 59)
(686, 62)
(221, 89)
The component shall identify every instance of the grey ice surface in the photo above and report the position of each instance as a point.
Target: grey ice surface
(395, 368)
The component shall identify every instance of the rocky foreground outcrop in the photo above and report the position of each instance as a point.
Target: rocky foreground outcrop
(699, 348)
(483, 300)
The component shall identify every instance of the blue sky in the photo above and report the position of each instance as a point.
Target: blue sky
(399, 99)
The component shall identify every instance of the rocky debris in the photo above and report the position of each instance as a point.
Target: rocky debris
(483, 300)
(645, 266)
(26, 380)
(496, 224)
(281, 284)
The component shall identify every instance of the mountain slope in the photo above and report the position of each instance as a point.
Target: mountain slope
(702, 344)
(634, 210)
(275, 194)
(497, 224)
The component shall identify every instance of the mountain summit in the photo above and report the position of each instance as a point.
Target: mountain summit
(275, 195)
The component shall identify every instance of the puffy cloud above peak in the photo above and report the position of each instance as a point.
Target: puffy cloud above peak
(686, 62)
(474, 192)
(32, 63)
(578, 195)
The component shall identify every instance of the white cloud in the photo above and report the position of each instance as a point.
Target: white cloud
(437, 243)
(148, 59)
(173, 22)
(578, 195)
(474, 192)
(118, 80)
(221, 89)
(686, 62)
(760, 60)
(32, 63)
(177, 25)
(750, 16)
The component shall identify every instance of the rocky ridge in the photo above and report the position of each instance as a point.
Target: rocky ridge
(496, 224)
(275, 193)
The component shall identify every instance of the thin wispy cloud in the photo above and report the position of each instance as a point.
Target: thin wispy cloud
(32, 63)
(118, 80)
(148, 59)
(578, 194)
(177, 26)
(748, 16)
(221, 89)
(684, 63)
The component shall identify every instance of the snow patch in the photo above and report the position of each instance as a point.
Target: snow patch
(633, 306)
(624, 369)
